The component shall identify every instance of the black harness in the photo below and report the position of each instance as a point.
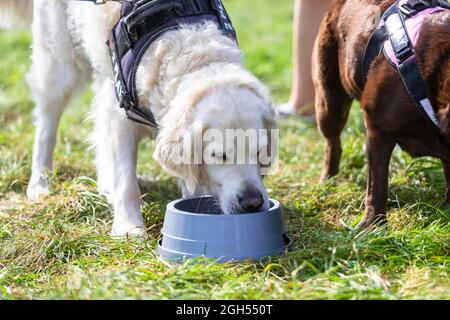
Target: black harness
(141, 23)
(393, 28)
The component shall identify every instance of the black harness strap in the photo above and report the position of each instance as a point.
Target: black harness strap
(407, 65)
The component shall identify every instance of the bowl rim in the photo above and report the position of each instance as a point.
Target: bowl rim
(183, 255)
(172, 209)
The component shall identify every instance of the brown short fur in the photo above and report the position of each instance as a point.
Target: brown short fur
(390, 115)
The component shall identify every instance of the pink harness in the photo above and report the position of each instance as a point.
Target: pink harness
(397, 35)
(413, 27)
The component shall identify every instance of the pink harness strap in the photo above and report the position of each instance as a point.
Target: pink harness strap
(413, 27)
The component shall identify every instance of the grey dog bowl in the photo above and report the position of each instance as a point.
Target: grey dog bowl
(198, 228)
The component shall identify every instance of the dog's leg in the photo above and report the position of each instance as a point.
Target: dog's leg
(332, 102)
(379, 150)
(332, 114)
(115, 140)
(446, 166)
(53, 81)
(48, 113)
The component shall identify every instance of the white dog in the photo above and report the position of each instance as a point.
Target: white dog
(191, 75)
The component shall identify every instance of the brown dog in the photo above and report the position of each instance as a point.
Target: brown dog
(390, 114)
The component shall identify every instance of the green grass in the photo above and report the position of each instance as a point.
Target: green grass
(60, 248)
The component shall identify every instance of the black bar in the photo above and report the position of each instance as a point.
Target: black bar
(226, 309)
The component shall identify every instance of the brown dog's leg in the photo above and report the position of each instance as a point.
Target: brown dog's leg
(331, 159)
(332, 102)
(446, 166)
(379, 151)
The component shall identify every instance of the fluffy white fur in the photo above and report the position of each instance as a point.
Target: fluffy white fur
(194, 74)
(16, 14)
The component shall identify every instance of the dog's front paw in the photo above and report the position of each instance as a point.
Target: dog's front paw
(37, 188)
(129, 232)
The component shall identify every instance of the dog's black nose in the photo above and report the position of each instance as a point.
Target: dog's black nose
(251, 199)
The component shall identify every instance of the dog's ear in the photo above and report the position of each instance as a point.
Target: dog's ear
(270, 118)
(179, 152)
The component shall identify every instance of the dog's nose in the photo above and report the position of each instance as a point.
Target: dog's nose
(251, 200)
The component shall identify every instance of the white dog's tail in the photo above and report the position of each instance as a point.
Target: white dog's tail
(16, 13)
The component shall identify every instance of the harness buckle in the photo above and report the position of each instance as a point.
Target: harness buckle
(404, 54)
(407, 10)
(410, 8)
(420, 4)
